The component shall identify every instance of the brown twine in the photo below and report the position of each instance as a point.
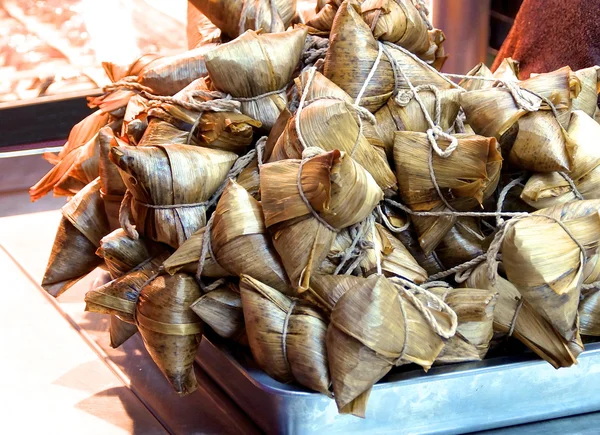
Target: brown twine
(360, 232)
(423, 12)
(502, 197)
(389, 225)
(574, 189)
(513, 322)
(409, 290)
(223, 104)
(453, 213)
(260, 150)
(125, 216)
(315, 48)
(496, 244)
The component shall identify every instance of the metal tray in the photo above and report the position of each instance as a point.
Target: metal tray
(458, 398)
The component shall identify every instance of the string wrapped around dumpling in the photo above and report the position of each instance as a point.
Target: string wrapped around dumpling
(330, 122)
(306, 202)
(466, 178)
(286, 336)
(552, 188)
(169, 186)
(374, 326)
(256, 69)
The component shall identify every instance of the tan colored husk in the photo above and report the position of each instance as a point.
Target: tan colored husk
(589, 312)
(330, 124)
(116, 72)
(276, 132)
(323, 20)
(187, 256)
(287, 337)
(560, 87)
(227, 15)
(135, 120)
(337, 188)
(396, 260)
(475, 311)
(529, 327)
(170, 74)
(221, 309)
(541, 144)
(160, 132)
(480, 70)
(240, 240)
(372, 328)
(227, 131)
(508, 69)
(122, 253)
(81, 171)
(170, 329)
(587, 100)
(73, 253)
(120, 331)
(81, 133)
(549, 189)
(395, 117)
(352, 53)
(249, 179)
(551, 284)
(118, 297)
(252, 65)
(490, 112)
(171, 175)
(462, 243)
(469, 176)
(112, 186)
(398, 21)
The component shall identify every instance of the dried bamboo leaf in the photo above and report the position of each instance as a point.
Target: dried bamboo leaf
(187, 256)
(167, 176)
(169, 74)
(331, 124)
(467, 177)
(170, 329)
(462, 243)
(481, 71)
(548, 189)
(529, 327)
(221, 309)
(551, 284)
(240, 240)
(475, 311)
(160, 132)
(235, 17)
(587, 100)
(335, 186)
(73, 255)
(253, 65)
(118, 297)
(116, 72)
(120, 331)
(395, 117)
(287, 338)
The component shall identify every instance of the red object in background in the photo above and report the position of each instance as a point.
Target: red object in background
(549, 34)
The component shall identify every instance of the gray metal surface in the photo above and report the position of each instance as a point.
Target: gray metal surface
(449, 399)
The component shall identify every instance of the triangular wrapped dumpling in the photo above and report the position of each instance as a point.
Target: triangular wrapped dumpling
(372, 328)
(169, 185)
(526, 325)
(474, 309)
(551, 284)
(549, 189)
(73, 254)
(587, 100)
(253, 65)
(338, 191)
(170, 329)
(240, 241)
(467, 177)
(332, 124)
(287, 337)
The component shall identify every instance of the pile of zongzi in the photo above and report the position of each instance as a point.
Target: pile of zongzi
(312, 188)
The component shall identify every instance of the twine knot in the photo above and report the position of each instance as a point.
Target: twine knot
(436, 132)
